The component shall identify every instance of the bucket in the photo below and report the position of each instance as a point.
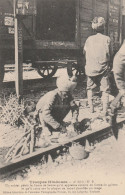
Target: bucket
(78, 152)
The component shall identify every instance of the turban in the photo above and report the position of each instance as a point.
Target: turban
(98, 23)
(65, 83)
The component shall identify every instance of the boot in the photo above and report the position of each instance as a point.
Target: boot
(90, 100)
(105, 101)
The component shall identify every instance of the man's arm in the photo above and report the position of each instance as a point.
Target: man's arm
(48, 118)
(46, 113)
(74, 109)
(115, 102)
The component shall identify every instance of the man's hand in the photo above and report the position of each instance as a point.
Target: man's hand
(114, 104)
(66, 124)
(62, 129)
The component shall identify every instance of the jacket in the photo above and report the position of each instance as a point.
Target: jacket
(119, 67)
(98, 52)
(54, 109)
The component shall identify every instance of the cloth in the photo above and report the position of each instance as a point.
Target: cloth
(98, 50)
(53, 109)
(101, 81)
(64, 83)
(119, 67)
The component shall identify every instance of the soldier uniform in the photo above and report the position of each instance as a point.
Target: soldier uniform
(54, 106)
(97, 49)
(119, 68)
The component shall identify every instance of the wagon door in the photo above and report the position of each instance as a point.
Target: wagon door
(56, 24)
(28, 19)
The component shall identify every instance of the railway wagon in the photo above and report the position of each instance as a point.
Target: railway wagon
(56, 34)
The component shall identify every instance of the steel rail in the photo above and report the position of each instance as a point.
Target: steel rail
(92, 135)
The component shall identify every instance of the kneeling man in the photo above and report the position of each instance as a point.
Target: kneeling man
(55, 105)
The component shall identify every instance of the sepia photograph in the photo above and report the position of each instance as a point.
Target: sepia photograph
(62, 97)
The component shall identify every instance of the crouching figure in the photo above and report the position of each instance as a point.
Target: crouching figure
(53, 107)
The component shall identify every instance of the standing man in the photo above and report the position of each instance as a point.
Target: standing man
(97, 50)
(119, 74)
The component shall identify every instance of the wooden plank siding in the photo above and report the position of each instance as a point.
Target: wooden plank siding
(90, 9)
(101, 9)
(114, 24)
(5, 10)
(86, 16)
(60, 44)
(86, 10)
(123, 29)
(108, 9)
(6, 31)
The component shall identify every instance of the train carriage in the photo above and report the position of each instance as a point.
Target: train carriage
(56, 34)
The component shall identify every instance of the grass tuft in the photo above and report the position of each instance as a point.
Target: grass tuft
(11, 110)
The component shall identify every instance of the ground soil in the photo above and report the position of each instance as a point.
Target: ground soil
(105, 163)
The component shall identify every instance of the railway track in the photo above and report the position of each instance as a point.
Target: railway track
(93, 136)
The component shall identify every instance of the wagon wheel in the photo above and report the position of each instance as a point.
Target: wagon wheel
(75, 70)
(47, 71)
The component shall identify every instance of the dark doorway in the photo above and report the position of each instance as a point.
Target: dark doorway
(56, 20)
